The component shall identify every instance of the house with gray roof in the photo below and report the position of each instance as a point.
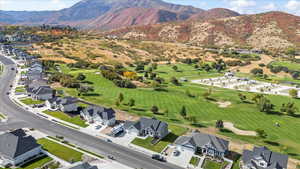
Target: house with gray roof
(98, 114)
(42, 93)
(64, 104)
(148, 127)
(17, 147)
(263, 158)
(80, 165)
(203, 143)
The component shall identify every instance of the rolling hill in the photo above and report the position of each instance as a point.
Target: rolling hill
(272, 30)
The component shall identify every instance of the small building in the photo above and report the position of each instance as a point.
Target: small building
(43, 93)
(66, 104)
(203, 143)
(263, 158)
(16, 147)
(80, 165)
(148, 127)
(97, 114)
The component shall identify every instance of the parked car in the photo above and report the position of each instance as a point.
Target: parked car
(111, 157)
(108, 140)
(158, 157)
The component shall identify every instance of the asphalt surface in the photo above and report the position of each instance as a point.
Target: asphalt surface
(19, 118)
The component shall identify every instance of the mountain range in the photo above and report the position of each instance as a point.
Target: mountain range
(111, 14)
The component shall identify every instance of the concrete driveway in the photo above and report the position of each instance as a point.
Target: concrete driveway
(183, 159)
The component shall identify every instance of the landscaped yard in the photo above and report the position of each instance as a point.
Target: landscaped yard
(2, 116)
(146, 143)
(244, 115)
(60, 151)
(208, 164)
(195, 161)
(29, 101)
(38, 163)
(20, 89)
(62, 116)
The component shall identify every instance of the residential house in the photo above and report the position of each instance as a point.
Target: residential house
(263, 158)
(80, 165)
(97, 114)
(34, 85)
(148, 127)
(43, 93)
(17, 147)
(34, 75)
(66, 104)
(203, 143)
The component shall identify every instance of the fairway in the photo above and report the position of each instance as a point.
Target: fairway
(244, 115)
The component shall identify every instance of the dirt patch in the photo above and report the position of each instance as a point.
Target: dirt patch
(224, 104)
(237, 131)
(123, 116)
(139, 84)
(292, 163)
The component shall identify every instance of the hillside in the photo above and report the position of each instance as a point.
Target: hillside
(273, 30)
(97, 13)
(215, 13)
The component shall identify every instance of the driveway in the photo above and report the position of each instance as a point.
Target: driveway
(183, 159)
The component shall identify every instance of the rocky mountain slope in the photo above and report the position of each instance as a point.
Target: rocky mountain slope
(273, 30)
(106, 13)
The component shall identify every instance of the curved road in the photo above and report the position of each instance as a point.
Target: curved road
(21, 118)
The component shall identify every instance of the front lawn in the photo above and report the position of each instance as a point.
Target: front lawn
(195, 161)
(37, 163)
(29, 101)
(208, 164)
(60, 151)
(62, 116)
(20, 90)
(169, 139)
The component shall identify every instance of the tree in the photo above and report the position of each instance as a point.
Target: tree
(175, 81)
(140, 67)
(289, 109)
(121, 97)
(81, 77)
(118, 103)
(242, 97)
(193, 119)
(265, 105)
(156, 86)
(183, 112)
(131, 103)
(130, 75)
(166, 112)
(219, 124)
(154, 109)
(257, 71)
(175, 68)
(293, 93)
(85, 89)
(261, 133)
(154, 66)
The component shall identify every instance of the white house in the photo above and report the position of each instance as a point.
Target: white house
(97, 114)
(66, 104)
(17, 147)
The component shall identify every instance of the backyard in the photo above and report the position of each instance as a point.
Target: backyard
(62, 116)
(244, 115)
(60, 151)
(169, 139)
(208, 164)
(37, 163)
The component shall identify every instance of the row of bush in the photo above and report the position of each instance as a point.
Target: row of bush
(276, 69)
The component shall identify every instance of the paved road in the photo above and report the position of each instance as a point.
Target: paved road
(21, 118)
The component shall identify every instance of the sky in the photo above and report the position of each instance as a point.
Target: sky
(241, 6)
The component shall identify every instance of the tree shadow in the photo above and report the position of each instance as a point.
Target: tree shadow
(272, 143)
(91, 94)
(87, 82)
(139, 109)
(198, 125)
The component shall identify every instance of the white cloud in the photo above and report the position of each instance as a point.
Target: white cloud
(293, 6)
(270, 7)
(242, 6)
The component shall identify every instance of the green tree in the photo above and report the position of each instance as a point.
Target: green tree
(154, 109)
(261, 133)
(175, 68)
(293, 93)
(183, 112)
(81, 77)
(83, 89)
(219, 124)
(131, 103)
(242, 97)
(193, 119)
(121, 97)
(289, 109)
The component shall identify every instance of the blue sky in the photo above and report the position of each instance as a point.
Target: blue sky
(242, 6)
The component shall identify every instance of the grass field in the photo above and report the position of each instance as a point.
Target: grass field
(62, 116)
(195, 161)
(290, 65)
(170, 138)
(243, 115)
(38, 163)
(60, 151)
(30, 101)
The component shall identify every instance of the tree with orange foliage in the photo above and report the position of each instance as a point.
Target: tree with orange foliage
(130, 75)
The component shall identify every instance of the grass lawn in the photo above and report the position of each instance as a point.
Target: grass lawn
(208, 164)
(170, 138)
(243, 115)
(37, 163)
(20, 90)
(236, 165)
(60, 151)
(29, 101)
(195, 161)
(62, 116)
(290, 65)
